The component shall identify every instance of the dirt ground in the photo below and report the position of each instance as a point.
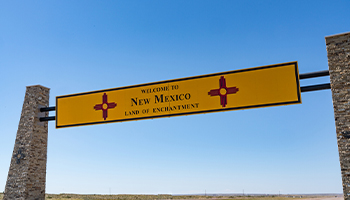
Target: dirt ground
(274, 198)
(325, 198)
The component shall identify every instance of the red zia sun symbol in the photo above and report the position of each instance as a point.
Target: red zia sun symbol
(223, 91)
(105, 106)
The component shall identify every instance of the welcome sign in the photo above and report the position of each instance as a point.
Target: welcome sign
(239, 89)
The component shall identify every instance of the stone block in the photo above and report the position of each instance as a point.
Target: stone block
(338, 49)
(27, 174)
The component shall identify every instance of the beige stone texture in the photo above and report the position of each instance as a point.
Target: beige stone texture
(338, 52)
(27, 174)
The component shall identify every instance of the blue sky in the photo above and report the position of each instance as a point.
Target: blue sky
(80, 46)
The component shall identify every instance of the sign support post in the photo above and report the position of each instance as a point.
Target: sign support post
(27, 174)
(338, 52)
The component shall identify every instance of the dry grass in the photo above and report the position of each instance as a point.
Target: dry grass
(159, 197)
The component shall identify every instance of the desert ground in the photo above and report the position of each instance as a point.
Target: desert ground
(184, 197)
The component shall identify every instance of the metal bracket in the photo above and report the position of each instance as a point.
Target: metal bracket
(47, 109)
(44, 119)
(314, 74)
(310, 88)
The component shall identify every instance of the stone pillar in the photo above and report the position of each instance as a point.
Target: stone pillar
(338, 52)
(27, 174)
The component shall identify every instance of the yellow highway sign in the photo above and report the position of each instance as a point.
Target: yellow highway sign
(264, 86)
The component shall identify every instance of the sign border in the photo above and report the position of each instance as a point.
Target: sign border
(295, 63)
